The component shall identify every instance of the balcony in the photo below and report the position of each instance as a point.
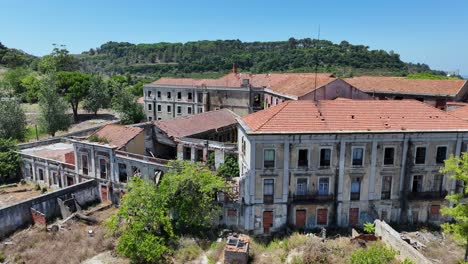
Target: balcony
(433, 195)
(312, 197)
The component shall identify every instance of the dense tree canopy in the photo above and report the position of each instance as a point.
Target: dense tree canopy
(9, 159)
(218, 56)
(74, 86)
(13, 58)
(125, 103)
(151, 217)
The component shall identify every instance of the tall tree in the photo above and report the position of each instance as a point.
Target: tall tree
(125, 103)
(13, 78)
(99, 95)
(457, 167)
(12, 119)
(59, 60)
(32, 85)
(9, 159)
(74, 86)
(53, 109)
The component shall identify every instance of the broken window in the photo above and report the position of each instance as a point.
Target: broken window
(159, 108)
(187, 153)
(355, 189)
(386, 187)
(189, 110)
(441, 154)
(420, 157)
(358, 156)
(417, 183)
(41, 174)
(189, 96)
(168, 95)
(103, 168)
(179, 95)
(150, 107)
(169, 109)
(268, 191)
(437, 184)
(159, 94)
(200, 97)
(389, 155)
(84, 164)
(269, 158)
(179, 110)
(122, 172)
(199, 155)
(149, 93)
(325, 157)
(303, 159)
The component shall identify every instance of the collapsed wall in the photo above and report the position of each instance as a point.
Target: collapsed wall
(45, 207)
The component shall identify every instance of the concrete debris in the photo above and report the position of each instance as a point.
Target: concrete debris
(86, 219)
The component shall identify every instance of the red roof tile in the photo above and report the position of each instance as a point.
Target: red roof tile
(118, 135)
(293, 84)
(401, 85)
(185, 126)
(351, 116)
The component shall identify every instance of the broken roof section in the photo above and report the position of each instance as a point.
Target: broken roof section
(62, 152)
(117, 135)
(186, 126)
(293, 84)
(401, 85)
(351, 116)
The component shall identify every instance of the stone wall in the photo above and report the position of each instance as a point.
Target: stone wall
(393, 239)
(19, 215)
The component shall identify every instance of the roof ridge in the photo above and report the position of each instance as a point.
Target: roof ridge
(277, 112)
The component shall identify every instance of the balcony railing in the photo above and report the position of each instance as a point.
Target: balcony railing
(312, 197)
(434, 195)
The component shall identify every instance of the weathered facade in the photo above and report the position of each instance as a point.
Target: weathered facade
(345, 163)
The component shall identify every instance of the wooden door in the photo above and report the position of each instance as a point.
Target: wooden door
(353, 216)
(104, 193)
(322, 216)
(267, 221)
(300, 218)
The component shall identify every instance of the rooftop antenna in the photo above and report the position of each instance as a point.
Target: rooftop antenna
(316, 63)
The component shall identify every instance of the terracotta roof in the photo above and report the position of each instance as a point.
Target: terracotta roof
(118, 135)
(293, 84)
(401, 85)
(460, 112)
(351, 116)
(185, 126)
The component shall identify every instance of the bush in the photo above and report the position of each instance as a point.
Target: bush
(2, 257)
(44, 190)
(37, 187)
(375, 254)
(369, 228)
(188, 250)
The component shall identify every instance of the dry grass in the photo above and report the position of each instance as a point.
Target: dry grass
(9, 196)
(188, 250)
(70, 245)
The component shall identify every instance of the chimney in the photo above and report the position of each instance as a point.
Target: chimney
(234, 68)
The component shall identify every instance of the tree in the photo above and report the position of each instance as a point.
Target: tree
(230, 167)
(12, 119)
(9, 159)
(188, 190)
(32, 85)
(151, 218)
(13, 78)
(143, 224)
(59, 60)
(53, 109)
(98, 95)
(458, 168)
(125, 103)
(74, 86)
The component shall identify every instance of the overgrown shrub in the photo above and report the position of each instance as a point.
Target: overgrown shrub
(369, 228)
(37, 187)
(44, 190)
(375, 254)
(96, 138)
(2, 257)
(188, 250)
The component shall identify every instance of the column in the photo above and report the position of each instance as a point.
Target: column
(286, 171)
(373, 169)
(92, 168)
(341, 170)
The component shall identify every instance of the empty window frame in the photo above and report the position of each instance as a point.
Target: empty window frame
(150, 107)
(189, 110)
(159, 108)
(441, 155)
(437, 183)
(420, 155)
(179, 95)
(386, 187)
(303, 158)
(389, 156)
(268, 158)
(103, 168)
(159, 94)
(268, 190)
(355, 189)
(417, 183)
(358, 156)
(325, 157)
(169, 109)
(189, 96)
(179, 110)
(169, 95)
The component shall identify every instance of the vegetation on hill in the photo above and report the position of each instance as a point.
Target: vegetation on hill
(13, 58)
(294, 55)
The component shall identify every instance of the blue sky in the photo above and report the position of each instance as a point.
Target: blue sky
(432, 32)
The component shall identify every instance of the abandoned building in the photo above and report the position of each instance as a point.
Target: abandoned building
(113, 153)
(434, 92)
(243, 93)
(345, 162)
